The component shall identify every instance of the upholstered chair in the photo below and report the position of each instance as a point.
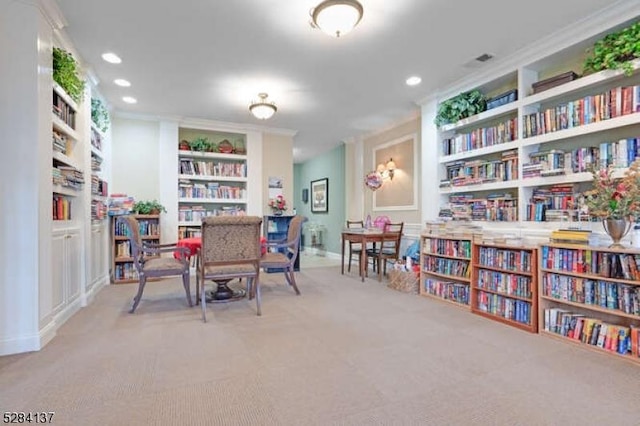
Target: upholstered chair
(282, 254)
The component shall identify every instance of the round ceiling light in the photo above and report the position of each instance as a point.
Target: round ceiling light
(262, 109)
(413, 80)
(112, 58)
(122, 82)
(129, 100)
(336, 17)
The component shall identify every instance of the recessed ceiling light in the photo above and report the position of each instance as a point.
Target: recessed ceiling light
(129, 100)
(112, 58)
(413, 80)
(122, 82)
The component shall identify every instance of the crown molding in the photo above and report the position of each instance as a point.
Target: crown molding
(52, 13)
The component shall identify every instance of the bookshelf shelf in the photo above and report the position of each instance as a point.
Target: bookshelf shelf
(578, 343)
(504, 284)
(212, 178)
(591, 296)
(445, 263)
(212, 200)
(483, 117)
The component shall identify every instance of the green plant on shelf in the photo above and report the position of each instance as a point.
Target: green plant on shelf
(615, 51)
(148, 207)
(67, 74)
(461, 106)
(201, 144)
(99, 114)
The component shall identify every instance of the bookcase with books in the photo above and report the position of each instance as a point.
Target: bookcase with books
(99, 186)
(445, 268)
(123, 269)
(529, 160)
(67, 159)
(590, 296)
(504, 284)
(212, 182)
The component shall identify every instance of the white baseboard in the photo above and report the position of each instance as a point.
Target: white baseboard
(20, 344)
(88, 297)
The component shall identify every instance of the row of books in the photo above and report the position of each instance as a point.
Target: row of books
(215, 169)
(123, 249)
(67, 176)
(512, 260)
(125, 271)
(605, 294)
(447, 290)
(98, 210)
(590, 109)
(604, 264)
(574, 236)
(211, 190)
(61, 208)
(509, 284)
(592, 331)
(99, 186)
(512, 309)
(147, 228)
(63, 111)
(506, 131)
(96, 139)
(120, 204)
(189, 232)
(452, 267)
(455, 248)
(480, 171)
(59, 141)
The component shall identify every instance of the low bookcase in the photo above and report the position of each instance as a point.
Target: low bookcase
(445, 268)
(504, 284)
(590, 296)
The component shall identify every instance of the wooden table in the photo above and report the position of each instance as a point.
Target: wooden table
(362, 237)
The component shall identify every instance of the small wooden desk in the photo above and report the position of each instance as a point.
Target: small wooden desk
(363, 236)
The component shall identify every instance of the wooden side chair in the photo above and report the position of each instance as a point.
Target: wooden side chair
(230, 249)
(286, 260)
(148, 264)
(389, 249)
(354, 248)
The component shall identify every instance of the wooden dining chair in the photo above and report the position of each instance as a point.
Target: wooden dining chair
(354, 248)
(149, 264)
(389, 249)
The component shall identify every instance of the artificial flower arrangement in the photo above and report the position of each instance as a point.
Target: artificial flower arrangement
(615, 197)
(278, 203)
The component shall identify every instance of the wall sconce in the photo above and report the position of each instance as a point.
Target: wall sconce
(387, 170)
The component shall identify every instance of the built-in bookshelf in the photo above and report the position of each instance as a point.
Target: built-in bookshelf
(445, 268)
(529, 160)
(590, 296)
(211, 182)
(504, 284)
(99, 186)
(123, 269)
(67, 171)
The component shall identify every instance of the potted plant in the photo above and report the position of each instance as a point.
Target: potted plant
(184, 145)
(615, 51)
(199, 144)
(67, 74)
(148, 207)
(99, 114)
(461, 106)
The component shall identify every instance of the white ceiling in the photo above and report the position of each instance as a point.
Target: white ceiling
(210, 58)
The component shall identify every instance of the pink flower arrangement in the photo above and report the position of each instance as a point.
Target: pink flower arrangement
(615, 197)
(278, 203)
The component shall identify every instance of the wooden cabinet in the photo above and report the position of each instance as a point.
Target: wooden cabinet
(211, 182)
(445, 268)
(123, 269)
(590, 296)
(276, 229)
(504, 284)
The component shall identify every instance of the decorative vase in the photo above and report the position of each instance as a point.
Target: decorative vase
(616, 229)
(277, 212)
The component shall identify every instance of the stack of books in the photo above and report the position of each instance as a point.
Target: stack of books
(572, 236)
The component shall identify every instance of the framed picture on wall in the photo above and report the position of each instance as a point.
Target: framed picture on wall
(320, 196)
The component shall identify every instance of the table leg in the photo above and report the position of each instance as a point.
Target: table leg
(343, 241)
(363, 260)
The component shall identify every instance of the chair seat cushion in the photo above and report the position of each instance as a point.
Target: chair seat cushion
(211, 271)
(166, 264)
(274, 258)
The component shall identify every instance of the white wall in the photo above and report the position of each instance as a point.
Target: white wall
(277, 161)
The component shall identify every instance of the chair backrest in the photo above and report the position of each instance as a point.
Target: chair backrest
(133, 232)
(230, 239)
(355, 224)
(293, 236)
(393, 242)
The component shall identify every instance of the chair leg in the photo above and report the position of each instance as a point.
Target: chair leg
(349, 266)
(203, 301)
(186, 281)
(379, 268)
(293, 281)
(256, 285)
(136, 299)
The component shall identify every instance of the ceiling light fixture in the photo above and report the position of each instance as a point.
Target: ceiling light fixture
(122, 82)
(262, 109)
(413, 80)
(112, 58)
(336, 17)
(130, 100)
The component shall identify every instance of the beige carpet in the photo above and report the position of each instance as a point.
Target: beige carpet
(345, 352)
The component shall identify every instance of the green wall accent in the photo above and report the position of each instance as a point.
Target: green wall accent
(330, 165)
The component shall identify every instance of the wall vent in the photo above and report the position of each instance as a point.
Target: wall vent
(484, 57)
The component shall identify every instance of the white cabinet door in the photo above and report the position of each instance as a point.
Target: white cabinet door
(73, 260)
(58, 272)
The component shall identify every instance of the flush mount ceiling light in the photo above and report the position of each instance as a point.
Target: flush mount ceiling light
(122, 82)
(414, 80)
(262, 109)
(129, 100)
(112, 58)
(336, 17)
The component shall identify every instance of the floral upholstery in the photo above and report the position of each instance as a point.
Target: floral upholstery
(230, 249)
(163, 263)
